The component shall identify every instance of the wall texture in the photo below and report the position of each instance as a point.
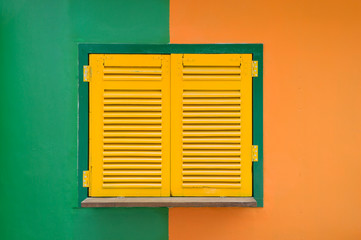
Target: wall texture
(312, 102)
(312, 117)
(38, 120)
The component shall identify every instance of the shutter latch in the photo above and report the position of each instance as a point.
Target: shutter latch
(85, 178)
(255, 153)
(86, 73)
(254, 68)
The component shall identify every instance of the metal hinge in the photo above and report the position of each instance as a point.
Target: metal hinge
(85, 178)
(254, 68)
(255, 153)
(86, 73)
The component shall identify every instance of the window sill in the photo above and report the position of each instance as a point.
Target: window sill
(169, 202)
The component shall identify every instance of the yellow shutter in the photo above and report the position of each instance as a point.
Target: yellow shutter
(211, 122)
(129, 125)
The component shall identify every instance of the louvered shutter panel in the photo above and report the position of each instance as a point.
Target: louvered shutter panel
(211, 121)
(129, 119)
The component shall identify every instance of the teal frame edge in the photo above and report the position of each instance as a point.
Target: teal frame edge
(84, 49)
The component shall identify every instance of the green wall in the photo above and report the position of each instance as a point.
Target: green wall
(38, 120)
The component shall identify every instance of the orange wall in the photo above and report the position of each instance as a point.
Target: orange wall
(312, 116)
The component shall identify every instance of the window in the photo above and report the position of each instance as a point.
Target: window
(170, 125)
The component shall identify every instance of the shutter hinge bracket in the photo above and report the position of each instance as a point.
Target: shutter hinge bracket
(85, 178)
(86, 73)
(254, 68)
(255, 153)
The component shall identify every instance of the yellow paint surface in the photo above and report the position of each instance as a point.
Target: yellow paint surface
(211, 127)
(129, 119)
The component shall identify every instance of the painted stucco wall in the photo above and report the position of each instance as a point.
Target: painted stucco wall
(312, 116)
(312, 102)
(38, 119)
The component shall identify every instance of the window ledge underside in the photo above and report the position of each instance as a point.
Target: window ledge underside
(106, 202)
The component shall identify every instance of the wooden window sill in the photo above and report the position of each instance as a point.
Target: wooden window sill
(96, 202)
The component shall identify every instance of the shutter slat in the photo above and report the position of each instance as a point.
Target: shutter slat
(132, 115)
(227, 139)
(211, 146)
(211, 153)
(211, 133)
(132, 121)
(132, 140)
(211, 172)
(198, 101)
(132, 160)
(211, 77)
(134, 185)
(131, 166)
(117, 101)
(132, 147)
(211, 121)
(212, 114)
(211, 70)
(133, 70)
(132, 134)
(138, 172)
(132, 127)
(221, 159)
(211, 166)
(132, 153)
(211, 179)
(132, 179)
(211, 127)
(132, 108)
(211, 94)
(131, 94)
(212, 185)
(218, 107)
(132, 77)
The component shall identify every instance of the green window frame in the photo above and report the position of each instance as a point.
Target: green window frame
(257, 90)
